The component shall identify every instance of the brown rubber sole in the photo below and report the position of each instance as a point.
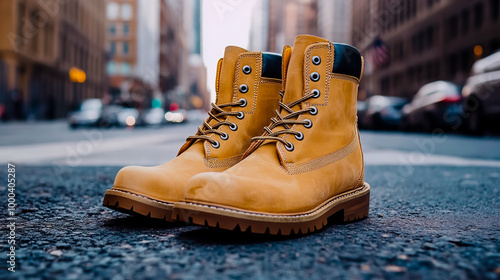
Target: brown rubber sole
(131, 203)
(347, 207)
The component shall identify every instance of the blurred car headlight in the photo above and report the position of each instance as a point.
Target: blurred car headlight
(130, 121)
(174, 117)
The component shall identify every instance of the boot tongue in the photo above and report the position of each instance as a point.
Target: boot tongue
(226, 75)
(295, 77)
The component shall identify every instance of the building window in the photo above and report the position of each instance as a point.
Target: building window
(48, 40)
(384, 84)
(495, 45)
(413, 8)
(465, 60)
(429, 36)
(112, 48)
(112, 10)
(408, 9)
(414, 43)
(495, 9)
(125, 48)
(126, 12)
(478, 15)
(111, 68)
(411, 75)
(64, 53)
(125, 68)
(126, 29)
(421, 41)
(112, 30)
(453, 27)
(436, 69)
(401, 13)
(452, 65)
(431, 3)
(401, 50)
(428, 71)
(419, 73)
(465, 21)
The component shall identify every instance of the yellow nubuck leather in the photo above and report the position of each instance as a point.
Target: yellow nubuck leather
(253, 98)
(295, 184)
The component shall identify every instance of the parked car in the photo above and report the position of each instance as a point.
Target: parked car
(93, 112)
(437, 104)
(383, 112)
(154, 116)
(481, 95)
(128, 117)
(361, 107)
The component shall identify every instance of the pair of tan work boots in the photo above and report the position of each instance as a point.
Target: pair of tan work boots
(279, 152)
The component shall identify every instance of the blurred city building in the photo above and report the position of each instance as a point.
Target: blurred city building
(132, 66)
(182, 76)
(275, 23)
(334, 20)
(259, 27)
(52, 56)
(287, 19)
(424, 41)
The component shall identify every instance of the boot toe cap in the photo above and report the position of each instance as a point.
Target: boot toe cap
(146, 181)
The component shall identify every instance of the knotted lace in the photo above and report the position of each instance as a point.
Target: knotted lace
(218, 114)
(287, 121)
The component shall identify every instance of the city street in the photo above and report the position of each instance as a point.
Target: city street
(90, 87)
(434, 213)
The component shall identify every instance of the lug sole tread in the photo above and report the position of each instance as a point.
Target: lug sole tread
(346, 210)
(133, 204)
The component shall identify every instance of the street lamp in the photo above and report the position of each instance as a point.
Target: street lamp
(77, 75)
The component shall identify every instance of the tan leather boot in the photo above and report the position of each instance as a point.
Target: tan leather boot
(307, 167)
(248, 88)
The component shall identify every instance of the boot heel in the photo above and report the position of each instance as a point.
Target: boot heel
(357, 208)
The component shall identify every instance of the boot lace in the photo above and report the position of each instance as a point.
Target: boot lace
(218, 114)
(287, 121)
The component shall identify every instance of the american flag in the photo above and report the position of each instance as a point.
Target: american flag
(378, 53)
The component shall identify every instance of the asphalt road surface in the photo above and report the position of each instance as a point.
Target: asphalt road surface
(53, 143)
(434, 214)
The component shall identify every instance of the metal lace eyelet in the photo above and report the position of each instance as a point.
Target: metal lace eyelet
(299, 136)
(289, 146)
(316, 93)
(240, 115)
(233, 127)
(313, 110)
(216, 144)
(314, 76)
(308, 123)
(247, 69)
(224, 136)
(243, 88)
(316, 60)
(243, 102)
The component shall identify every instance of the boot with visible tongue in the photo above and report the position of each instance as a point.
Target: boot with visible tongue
(307, 166)
(247, 88)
